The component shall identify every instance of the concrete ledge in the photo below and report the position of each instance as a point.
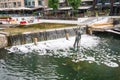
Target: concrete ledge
(4, 33)
(30, 37)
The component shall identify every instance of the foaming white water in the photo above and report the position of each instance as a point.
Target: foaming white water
(61, 48)
(86, 41)
(90, 59)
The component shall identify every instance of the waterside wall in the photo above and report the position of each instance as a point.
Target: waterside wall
(29, 37)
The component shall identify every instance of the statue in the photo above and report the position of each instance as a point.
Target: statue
(77, 39)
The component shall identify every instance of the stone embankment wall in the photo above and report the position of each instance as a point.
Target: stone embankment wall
(7, 40)
(40, 36)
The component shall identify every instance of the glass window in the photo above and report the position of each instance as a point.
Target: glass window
(39, 2)
(33, 3)
(29, 3)
(19, 4)
(5, 5)
(14, 4)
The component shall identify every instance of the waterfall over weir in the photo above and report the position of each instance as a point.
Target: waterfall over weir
(41, 36)
(92, 48)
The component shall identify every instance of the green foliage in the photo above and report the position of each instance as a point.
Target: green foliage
(74, 3)
(34, 13)
(53, 4)
(66, 2)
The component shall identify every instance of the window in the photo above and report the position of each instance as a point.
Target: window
(19, 4)
(5, 5)
(29, 3)
(0, 5)
(33, 3)
(14, 4)
(39, 2)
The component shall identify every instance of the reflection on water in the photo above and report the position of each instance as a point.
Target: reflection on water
(58, 64)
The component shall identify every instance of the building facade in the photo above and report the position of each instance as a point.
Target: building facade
(85, 4)
(63, 5)
(113, 5)
(23, 3)
(34, 3)
(11, 3)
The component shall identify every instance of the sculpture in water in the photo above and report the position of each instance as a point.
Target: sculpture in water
(77, 38)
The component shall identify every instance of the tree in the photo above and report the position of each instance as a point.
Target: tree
(94, 4)
(74, 4)
(111, 7)
(53, 4)
(66, 3)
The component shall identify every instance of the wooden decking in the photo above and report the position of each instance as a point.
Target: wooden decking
(101, 26)
(104, 27)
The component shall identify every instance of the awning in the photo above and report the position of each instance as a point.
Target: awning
(1, 9)
(37, 7)
(48, 9)
(20, 8)
(65, 8)
(61, 1)
(117, 4)
(68, 8)
(4, 9)
(84, 7)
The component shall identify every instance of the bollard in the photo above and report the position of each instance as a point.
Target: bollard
(3, 41)
(23, 41)
(88, 30)
(35, 40)
(67, 35)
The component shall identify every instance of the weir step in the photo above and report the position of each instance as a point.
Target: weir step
(30, 37)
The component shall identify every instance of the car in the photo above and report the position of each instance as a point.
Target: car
(23, 22)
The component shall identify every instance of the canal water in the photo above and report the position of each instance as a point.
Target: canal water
(98, 58)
